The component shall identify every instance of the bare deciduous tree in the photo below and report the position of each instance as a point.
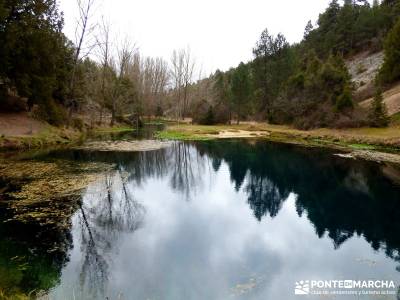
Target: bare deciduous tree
(178, 65)
(187, 79)
(104, 48)
(150, 78)
(123, 87)
(160, 81)
(182, 74)
(84, 27)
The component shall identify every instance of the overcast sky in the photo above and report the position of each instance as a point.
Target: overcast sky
(220, 33)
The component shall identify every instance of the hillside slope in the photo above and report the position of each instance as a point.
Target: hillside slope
(391, 98)
(363, 68)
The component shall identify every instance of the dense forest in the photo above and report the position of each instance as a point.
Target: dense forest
(107, 80)
(308, 84)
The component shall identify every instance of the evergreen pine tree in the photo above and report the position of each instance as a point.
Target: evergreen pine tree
(241, 90)
(390, 70)
(345, 100)
(378, 114)
(209, 118)
(308, 29)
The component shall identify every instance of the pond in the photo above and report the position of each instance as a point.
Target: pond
(232, 219)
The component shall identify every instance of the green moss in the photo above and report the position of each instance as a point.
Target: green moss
(362, 146)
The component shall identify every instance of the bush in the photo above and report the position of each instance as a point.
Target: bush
(122, 119)
(51, 112)
(352, 120)
(159, 111)
(344, 101)
(207, 114)
(209, 118)
(317, 95)
(78, 124)
(135, 121)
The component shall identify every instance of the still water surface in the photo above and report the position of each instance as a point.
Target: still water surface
(219, 220)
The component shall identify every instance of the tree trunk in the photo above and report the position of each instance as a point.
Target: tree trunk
(112, 114)
(101, 115)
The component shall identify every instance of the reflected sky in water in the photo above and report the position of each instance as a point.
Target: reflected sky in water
(207, 220)
(230, 220)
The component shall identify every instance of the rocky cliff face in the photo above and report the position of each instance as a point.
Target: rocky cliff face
(363, 68)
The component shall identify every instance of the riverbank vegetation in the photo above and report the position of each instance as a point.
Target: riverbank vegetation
(99, 81)
(365, 138)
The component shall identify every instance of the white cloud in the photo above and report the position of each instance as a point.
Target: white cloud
(220, 33)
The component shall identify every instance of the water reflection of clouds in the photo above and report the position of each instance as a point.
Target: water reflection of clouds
(198, 243)
(207, 246)
(233, 231)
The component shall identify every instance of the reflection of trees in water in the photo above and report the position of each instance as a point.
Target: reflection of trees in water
(181, 163)
(108, 210)
(187, 168)
(264, 197)
(144, 165)
(109, 207)
(249, 168)
(140, 166)
(341, 198)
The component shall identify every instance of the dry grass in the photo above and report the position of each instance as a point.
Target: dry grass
(389, 137)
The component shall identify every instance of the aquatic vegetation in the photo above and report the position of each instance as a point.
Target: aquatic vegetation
(182, 136)
(39, 196)
(46, 191)
(125, 146)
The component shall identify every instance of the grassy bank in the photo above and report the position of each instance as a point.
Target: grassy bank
(115, 129)
(52, 136)
(49, 136)
(383, 139)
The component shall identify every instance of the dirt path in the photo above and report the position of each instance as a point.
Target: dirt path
(228, 134)
(19, 124)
